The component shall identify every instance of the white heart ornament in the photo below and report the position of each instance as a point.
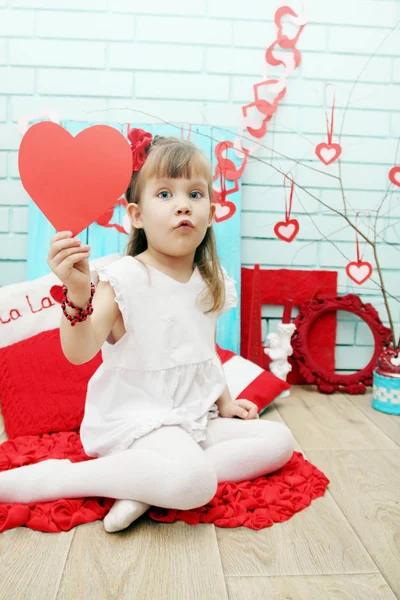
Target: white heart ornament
(359, 273)
(328, 154)
(287, 231)
(221, 210)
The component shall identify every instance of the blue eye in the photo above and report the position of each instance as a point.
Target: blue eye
(164, 195)
(199, 195)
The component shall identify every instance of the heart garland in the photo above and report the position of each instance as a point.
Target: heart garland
(288, 229)
(260, 110)
(328, 153)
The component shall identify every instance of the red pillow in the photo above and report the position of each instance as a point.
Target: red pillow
(247, 380)
(40, 390)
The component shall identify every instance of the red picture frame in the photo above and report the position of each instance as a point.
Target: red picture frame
(327, 380)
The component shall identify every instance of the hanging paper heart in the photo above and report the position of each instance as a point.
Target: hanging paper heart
(328, 153)
(287, 230)
(284, 40)
(271, 90)
(359, 272)
(225, 165)
(394, 175)
(289, 60)
(255, 120)
(224, 211)
(74, 180)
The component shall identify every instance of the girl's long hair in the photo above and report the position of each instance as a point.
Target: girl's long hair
(170, 157)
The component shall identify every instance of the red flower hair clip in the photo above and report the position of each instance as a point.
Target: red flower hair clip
(140, 140)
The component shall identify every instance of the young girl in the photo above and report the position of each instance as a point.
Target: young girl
(158, 414)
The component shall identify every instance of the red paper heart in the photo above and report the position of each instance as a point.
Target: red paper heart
(287, 230)
(359, 272)
(394, 176)
(261, 126)
(328, 153)
(224, 211)
(74, 180)
(225, 165)
(283, 40)
(56, 292)
(275, 89)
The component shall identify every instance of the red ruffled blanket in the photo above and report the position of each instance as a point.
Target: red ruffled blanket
(254, 504)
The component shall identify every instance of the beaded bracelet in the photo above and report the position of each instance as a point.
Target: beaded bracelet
(82, 313)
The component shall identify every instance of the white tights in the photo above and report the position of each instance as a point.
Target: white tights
(165, 468)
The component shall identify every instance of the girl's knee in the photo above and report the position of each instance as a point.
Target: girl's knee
(284, 442)
(194, 486)
(278, 438)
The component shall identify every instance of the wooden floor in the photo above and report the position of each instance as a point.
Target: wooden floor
(345, 545)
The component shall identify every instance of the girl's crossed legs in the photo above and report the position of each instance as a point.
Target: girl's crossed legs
(165, 468)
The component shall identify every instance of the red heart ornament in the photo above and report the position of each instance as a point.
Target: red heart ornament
(359, 272)
(287, 230)
(74, 180)
(224, 211)
(328, 153)
(56, 292)
(394, 176)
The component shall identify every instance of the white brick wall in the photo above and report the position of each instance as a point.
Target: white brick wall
(186, 61)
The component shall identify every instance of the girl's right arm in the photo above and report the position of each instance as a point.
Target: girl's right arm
(68, 259)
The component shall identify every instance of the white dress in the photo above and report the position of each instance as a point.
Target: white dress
(164, 370)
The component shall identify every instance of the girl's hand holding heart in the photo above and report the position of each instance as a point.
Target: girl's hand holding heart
(69, 260)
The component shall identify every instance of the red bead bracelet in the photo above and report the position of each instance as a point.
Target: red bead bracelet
(82, 313)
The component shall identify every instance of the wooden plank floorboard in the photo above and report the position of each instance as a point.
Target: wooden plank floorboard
(32, 563)
(366, 487)
(330, 422)
(148, 560)
(389, 424)
(328, 587)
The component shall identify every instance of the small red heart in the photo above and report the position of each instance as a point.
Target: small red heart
(359, 272)
(224, 211)
(56, 292)
(74, 180)
(394, 176)
(287, 230)
(328, 153)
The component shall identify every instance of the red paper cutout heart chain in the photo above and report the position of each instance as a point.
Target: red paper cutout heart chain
(259, 112)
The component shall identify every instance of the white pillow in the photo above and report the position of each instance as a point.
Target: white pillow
(30, 307)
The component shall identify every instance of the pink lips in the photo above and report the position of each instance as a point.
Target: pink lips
(185, 223)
